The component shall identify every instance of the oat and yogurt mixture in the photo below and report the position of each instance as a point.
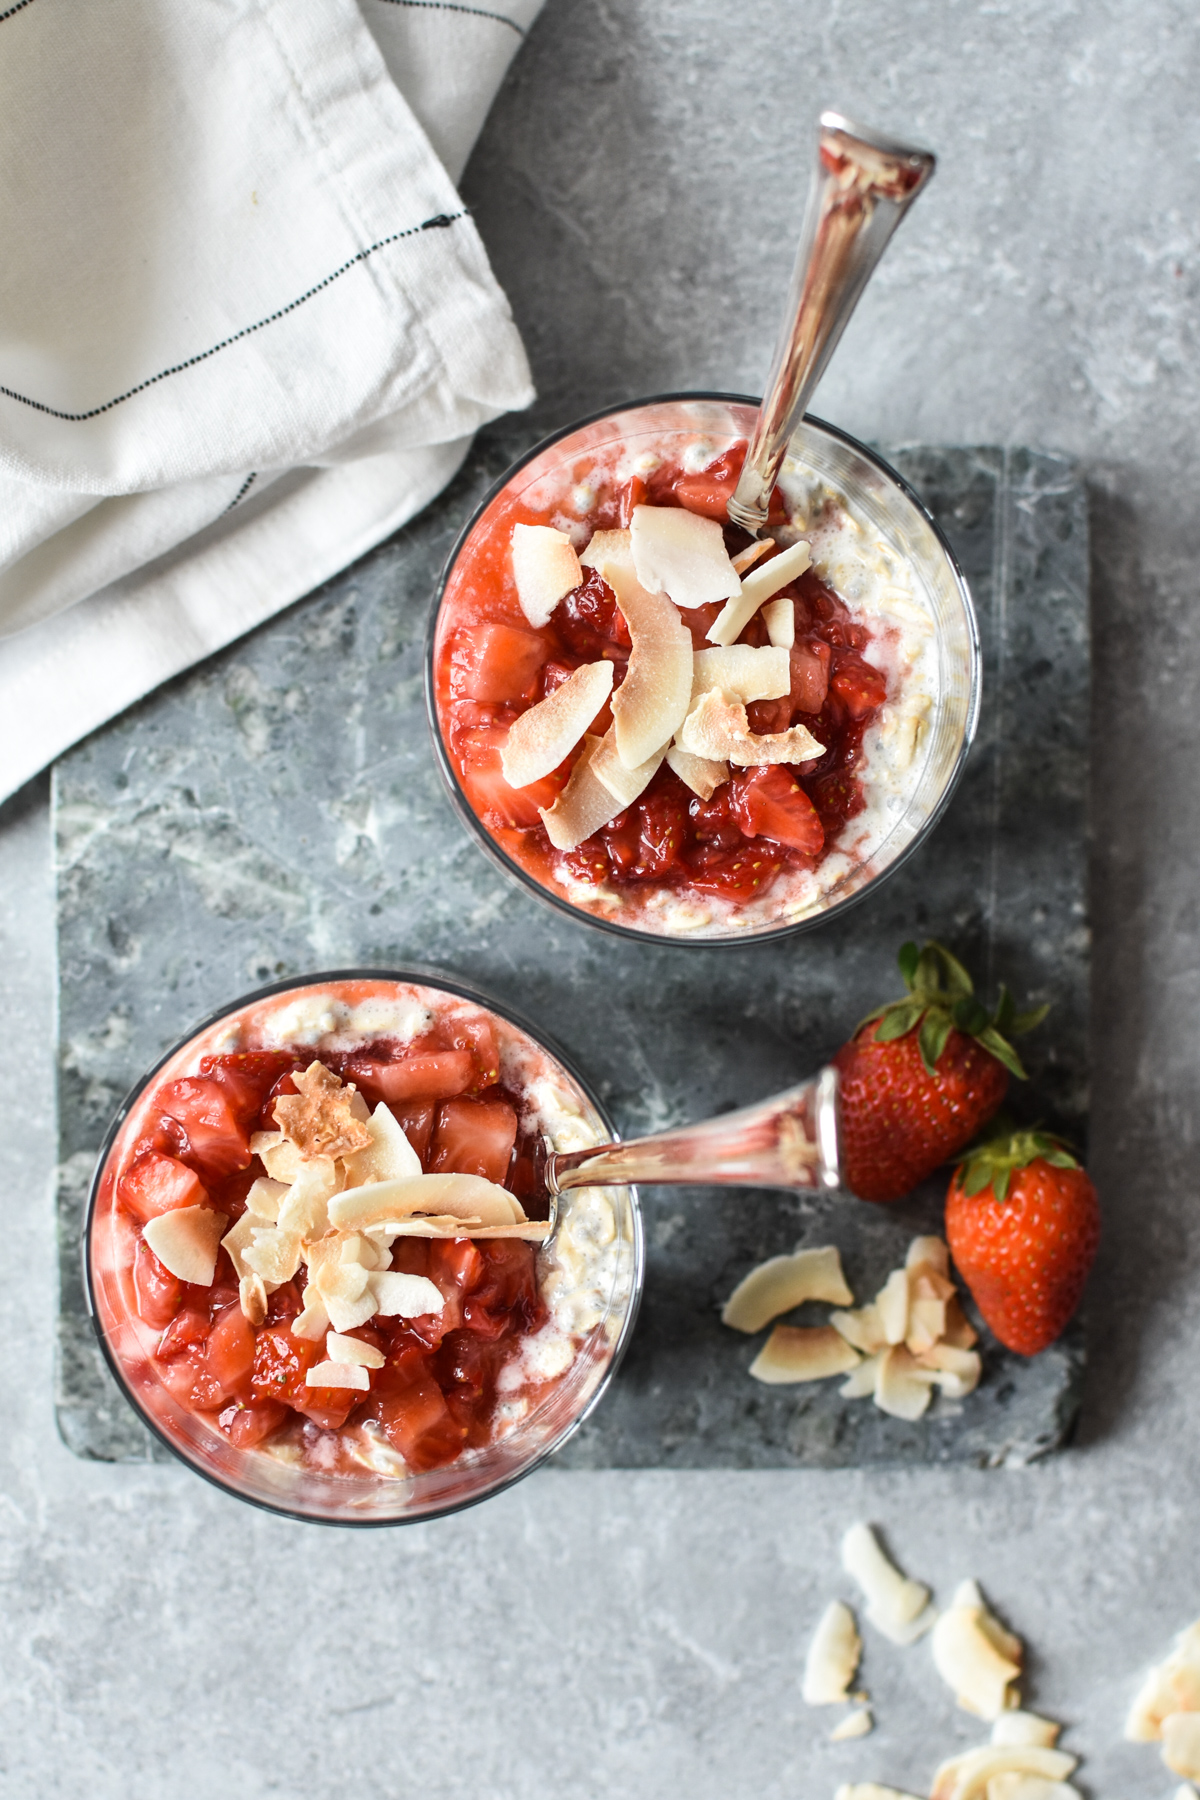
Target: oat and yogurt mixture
(315, 1220)
(666, 723)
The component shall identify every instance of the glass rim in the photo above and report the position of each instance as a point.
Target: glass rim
(770, 933)
(419, 975)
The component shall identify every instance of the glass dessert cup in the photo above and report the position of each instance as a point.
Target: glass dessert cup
(590, 1292)
(916, 741)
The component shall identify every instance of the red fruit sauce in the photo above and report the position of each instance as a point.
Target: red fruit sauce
(491, 665)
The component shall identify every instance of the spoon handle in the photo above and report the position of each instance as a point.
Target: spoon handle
(862, 187)
(790, 1141)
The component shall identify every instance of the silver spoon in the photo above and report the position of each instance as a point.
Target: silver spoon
(862, 187)
(789, 1141)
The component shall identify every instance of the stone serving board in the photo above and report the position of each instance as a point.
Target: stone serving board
(277, 812)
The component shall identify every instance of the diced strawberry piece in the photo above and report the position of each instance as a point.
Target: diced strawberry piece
(231, 1350)
(552, 677)
(478, 1035)
(496, 803)
(838, 797)
(249, 1422)
(455, 1263)
(858, 684)
(419, 1424)
(189, 1327)
(247, 1077)
(473, 1137)
(438, 1075)
(490, 662)
(768, 803)
(281, 1362)
(713, 821)
(415, 1118)
(591, 624)
(738, 874)
(207, 1392)
(700, 621)
(328, 1407)
(181, 1375)
(158, 1293)
(215, 1138)
(507, 1297)
(632, 494)
(770, 715)
(157, 1184)
(810, 659)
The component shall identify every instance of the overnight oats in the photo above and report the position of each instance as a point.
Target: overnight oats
(316, 1257)
(682, 731)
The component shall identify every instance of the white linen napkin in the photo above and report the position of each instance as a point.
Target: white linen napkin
(247, 328)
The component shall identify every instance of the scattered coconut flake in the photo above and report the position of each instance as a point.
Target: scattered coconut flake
(796, 1353)
(856, 1724)
(717, 728)
(860, 1383)
(870, 1790)
(321, 1120)
(928, 1252)
(833, 1655)
(681, 554)
(1018, 1727)
(610, 553)
(960, 1333)
(863, 1328)
(743, 671)
(279, 1156)
(185, 1241)
(303, 1211)
(252, 1298)
(1185, 1792)
(1172, 1686)
(968, 1777)
(781, 1283)
(903, 1388)
(545, 569)
(623, 784)
(338, 1375)
(976, 1657)
(541, 738)
(896, 1605)
(264, 1198)
(760, 585)
(779, 617)
(1015, 1786)
(1181, 1744)
(339, 1349)
(313, 1322)
(405, 1296)
(652, 702)
(956, 1372)
(469, 1198)
(388, 1157)
(584, 805)
(746, 559)
(892, 1302)
(703, 775)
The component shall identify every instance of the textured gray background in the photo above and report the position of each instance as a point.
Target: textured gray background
(618, 1634)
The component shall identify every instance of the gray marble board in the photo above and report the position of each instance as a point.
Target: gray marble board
(277, 811)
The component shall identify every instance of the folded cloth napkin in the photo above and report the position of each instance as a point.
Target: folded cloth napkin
(247, 327)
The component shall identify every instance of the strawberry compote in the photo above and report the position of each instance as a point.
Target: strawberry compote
(773, 843)
(319, 1147)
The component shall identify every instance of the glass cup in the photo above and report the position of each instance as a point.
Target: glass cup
(878, 500)
(291, 1486)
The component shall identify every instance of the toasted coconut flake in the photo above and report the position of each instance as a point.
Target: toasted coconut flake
(280, 1157)
(1025, 1728)
(338, 1375)
(833, 1655)
(779, 617)
(264, 1199)
(1185, 1791)
(402, 1296)
(960, 1333)
(313, 1322)
(238, 1239)
(681, 554)
(339, 1349)
(746, 559)
(252, 1298)
(542, 737)
(870, 1790)
(895, 1605)
(584, 805)
(652, 702)
(742, 671)
(957, 1372)
(303, 1211)
(781, 1283)
(545, 568)
(796, 1353)
(1013, 1786)
(467, 1197)
(185, 1241)
(856, 1724)
(863, 1328)
(760, 585)
(892, 1301)
(700, 773)
(976, 1658)
(388, 1157)
(926, 1323)
(717, 728)
(623, 784)
(902, 1387)
(1181, 1744)
(967, 1777)
(928, 1252)
(273, 1254)
(860, 1383)
(610, 553)
(320, 1119)
(1172, 1686)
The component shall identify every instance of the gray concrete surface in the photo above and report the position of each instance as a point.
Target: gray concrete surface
(598, 1635)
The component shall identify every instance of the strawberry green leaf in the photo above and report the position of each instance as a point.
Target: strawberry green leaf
(1006, 1012)
(927, 979)
(1025, 1021)
(969, 1015)
(1059, 1158)
(1003, 1052)
(957, 979)
(976, 1176)
(1000, 1183)
(908, 959)
(935, 1029)
(899, 1020)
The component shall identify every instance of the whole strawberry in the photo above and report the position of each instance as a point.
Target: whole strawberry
(922, 1075)
(1023, 1223)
